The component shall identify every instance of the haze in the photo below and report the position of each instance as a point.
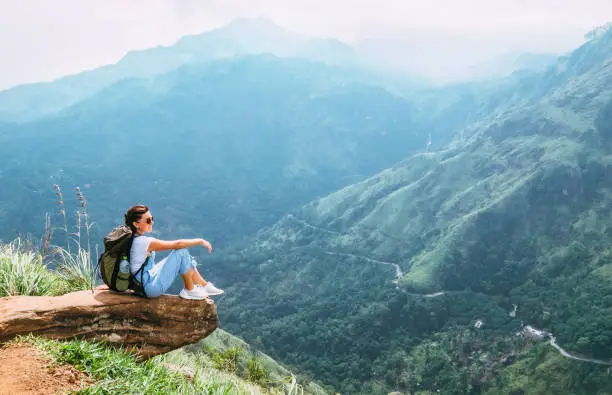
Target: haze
(42, 40)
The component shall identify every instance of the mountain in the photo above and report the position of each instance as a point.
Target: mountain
(506, 64)
(261, 35)
(224, 147)
(429, 275)
(443, 60)
(240, 37)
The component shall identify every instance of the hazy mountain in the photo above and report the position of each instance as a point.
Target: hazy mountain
(449, 63)
(243, 36)
(240, 37)
(507, 225)
(224, 147)
(505, 65)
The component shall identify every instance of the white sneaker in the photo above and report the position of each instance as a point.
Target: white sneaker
(197, 293)
(210, 289)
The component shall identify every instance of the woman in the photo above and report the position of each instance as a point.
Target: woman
(158, 277)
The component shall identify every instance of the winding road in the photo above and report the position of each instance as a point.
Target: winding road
(398, 270)
(399, 274)
(306, 224)
(553, 342)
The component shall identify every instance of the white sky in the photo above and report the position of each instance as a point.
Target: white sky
(44, 39)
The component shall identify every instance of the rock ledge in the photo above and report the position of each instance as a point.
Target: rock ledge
(154, 326)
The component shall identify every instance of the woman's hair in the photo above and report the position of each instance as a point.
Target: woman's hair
(134, 214)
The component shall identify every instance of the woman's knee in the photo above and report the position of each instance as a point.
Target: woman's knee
(185, 269)
(182, 259)
(183, 252)
(180, 254)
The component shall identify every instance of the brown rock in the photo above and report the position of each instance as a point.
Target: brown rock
(155, 326)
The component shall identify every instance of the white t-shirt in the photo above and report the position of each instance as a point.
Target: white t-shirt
(139, 252)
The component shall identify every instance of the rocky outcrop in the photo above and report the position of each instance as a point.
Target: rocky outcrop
(154, 326)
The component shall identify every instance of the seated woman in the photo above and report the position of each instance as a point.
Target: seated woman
(158, 277)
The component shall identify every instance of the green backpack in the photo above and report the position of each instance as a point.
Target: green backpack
(117, 246)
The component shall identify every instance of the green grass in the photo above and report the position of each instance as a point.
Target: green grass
(24, 272)
(117, 372)
(227, 357)
(180, 371)
(76, 271)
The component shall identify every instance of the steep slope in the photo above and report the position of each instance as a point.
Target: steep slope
(224, 148)
(240, 37)
(223, 352)
(513, 212)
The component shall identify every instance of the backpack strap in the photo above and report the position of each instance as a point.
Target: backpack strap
(138, 286)
(134, 284)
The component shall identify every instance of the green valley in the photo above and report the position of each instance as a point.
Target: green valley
(514, 211)
(372, 233)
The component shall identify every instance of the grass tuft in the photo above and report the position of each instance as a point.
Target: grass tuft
(22, 272)
(76, 270)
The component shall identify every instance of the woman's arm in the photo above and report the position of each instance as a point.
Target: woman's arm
(162, 245)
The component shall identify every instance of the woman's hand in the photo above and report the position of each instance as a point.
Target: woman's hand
(207, 244)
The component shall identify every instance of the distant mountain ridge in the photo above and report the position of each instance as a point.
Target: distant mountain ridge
(241, 37)
(246, 36)
(242, 140)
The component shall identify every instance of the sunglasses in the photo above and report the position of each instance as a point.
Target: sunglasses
(150, 220)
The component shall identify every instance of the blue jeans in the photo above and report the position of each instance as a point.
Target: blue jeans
(158, 277)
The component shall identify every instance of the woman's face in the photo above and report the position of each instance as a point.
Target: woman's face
(145, 224)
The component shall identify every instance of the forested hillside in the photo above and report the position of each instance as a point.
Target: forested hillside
(421, 276)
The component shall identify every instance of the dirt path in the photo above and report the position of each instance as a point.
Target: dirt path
(25, 370)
